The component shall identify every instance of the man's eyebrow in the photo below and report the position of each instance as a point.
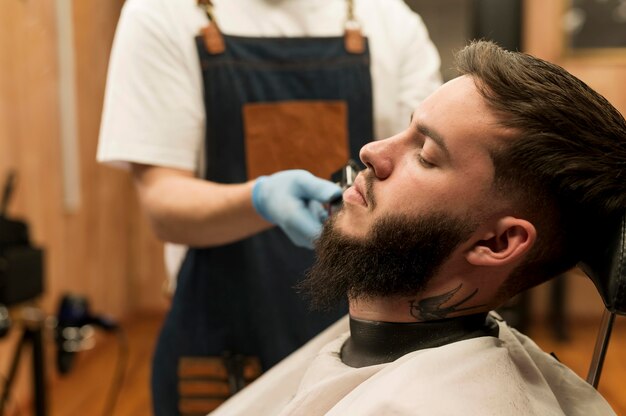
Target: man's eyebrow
(435, 137)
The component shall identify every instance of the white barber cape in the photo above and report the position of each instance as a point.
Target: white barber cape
(508, 375)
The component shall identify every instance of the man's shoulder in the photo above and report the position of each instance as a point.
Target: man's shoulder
(485, 375)
(160, 5)
(392, 20)
(175, 12)
(388, 9)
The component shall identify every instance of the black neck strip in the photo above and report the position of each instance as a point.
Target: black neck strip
(373, 342)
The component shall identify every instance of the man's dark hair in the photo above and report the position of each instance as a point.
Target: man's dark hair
(564, 166)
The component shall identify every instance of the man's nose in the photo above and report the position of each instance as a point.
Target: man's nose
(377, 156)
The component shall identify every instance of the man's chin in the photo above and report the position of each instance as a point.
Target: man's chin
(345, 225)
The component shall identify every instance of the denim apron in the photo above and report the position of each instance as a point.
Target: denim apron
(271, 104)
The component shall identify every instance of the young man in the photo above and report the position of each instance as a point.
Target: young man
(503, 178)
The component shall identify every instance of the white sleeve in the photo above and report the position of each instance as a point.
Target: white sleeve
(419, 68)
(153, 110)
(405, 62)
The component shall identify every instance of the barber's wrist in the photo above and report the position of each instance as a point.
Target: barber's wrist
(257, 198)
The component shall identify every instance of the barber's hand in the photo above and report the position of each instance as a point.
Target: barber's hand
(292, 199)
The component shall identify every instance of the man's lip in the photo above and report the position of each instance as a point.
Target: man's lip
(359, 187)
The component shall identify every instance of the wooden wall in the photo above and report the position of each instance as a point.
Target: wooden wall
(104, 249)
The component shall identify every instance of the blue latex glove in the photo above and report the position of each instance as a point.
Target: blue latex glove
(292, 199)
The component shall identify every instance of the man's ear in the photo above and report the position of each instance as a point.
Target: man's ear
(505, 243)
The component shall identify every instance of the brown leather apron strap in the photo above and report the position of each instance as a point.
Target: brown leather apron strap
(353, 36)
(214, 41)
(204, 383)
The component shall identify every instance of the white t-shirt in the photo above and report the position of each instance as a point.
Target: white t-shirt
(154, 111)
(508, 375)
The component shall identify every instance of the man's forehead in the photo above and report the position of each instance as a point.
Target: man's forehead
(457, 108)
(456, 94)
(455, 91)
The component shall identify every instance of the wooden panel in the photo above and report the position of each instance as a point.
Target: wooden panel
(101, 225)
(541, 31)
(29, 140)
(105, 249)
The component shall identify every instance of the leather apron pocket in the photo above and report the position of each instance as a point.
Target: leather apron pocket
(204, 383)
(310, 135)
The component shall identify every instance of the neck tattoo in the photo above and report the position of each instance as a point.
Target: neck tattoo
(428, 309)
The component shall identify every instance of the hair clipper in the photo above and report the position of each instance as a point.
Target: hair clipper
(344, 177)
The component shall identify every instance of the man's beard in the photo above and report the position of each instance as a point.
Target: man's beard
(399, 258)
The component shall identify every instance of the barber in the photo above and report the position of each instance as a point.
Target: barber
(229, 136)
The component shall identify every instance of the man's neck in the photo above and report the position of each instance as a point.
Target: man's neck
(382, 309)
(440, 302)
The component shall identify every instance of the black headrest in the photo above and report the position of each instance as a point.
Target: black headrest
(606, 266)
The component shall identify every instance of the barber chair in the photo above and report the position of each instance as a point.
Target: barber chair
(606, 266)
